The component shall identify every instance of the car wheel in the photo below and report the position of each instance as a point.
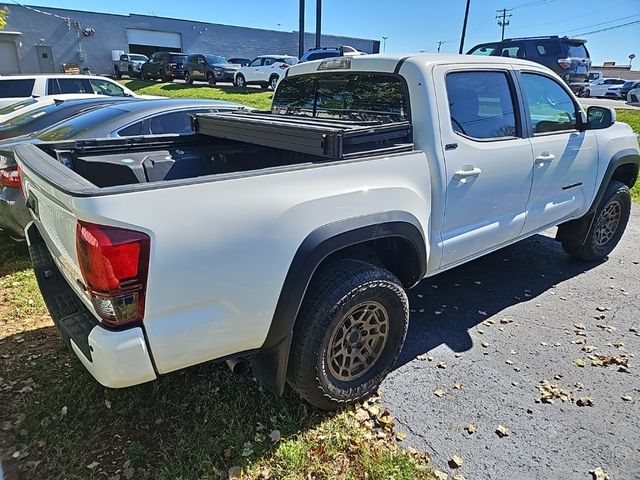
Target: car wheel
(273, 82)
(240, 81)
(130, 72)
(143, 75)
(187, 78)
(163, 77)
(348, 333)
(607, 226)
(117, 72)
(587, 93)
(211, 79)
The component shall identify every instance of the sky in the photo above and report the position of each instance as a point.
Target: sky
(414, 25)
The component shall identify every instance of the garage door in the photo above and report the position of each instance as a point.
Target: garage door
(154, 38)
(9, 56)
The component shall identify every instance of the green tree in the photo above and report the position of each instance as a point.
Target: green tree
(3, 17)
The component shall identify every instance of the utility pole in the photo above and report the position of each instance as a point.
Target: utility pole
(503, 18)
(464, 28)
(301, 30)
(318, 23)
(440, 42)
(384, 44)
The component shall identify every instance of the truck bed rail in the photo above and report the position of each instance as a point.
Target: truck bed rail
(338, 139)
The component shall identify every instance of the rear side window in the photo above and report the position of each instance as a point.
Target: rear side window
(16, 88)
(484, 49)
(551, 109)
(73, 85)
(102, 87)
(548, 49)
(578, 50)
(268, 61)
(481, 105)
(346, 96)
(131, 130)
(175, 122)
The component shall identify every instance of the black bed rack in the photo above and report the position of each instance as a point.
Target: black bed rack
(323, 137)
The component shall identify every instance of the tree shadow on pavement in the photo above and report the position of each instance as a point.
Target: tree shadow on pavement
(445, 307)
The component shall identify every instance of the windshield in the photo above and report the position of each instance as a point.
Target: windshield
(76, 126)
(216, 59)
(484, 49)
(289, 60)
(138, 58)
(14, 107)
(578, 50)
(345, 96)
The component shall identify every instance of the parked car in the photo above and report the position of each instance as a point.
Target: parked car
(291, 237)
(329, 52)
(265, 71)
(166, 66)
(14, 88)
(149, 118)
(599, 87)
(568, 57)
(243, 62)
(52, 113)
(579, 87)
(621, 91)
(633, 97)
(209, 68)
(129, 64)
(33, 103)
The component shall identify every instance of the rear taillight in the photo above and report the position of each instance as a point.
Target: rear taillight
(284, 66)
(10, 177)
(564, 63)
(114, 263)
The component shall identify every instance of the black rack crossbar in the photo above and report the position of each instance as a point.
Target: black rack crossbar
(314, 136)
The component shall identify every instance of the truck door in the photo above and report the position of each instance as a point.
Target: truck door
(488, 163)
(565, 159)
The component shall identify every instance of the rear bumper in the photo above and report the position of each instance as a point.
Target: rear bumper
(116, 359)
(14, 215)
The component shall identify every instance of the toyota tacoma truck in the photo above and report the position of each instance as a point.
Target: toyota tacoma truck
(129, 64)
(290, 236)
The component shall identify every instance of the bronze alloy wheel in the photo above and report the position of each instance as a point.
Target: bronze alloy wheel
(608, 222)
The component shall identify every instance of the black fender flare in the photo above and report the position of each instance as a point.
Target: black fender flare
(579, 228)
(270, 363)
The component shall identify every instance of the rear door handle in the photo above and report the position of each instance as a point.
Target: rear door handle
(464, 174)
(545, 157)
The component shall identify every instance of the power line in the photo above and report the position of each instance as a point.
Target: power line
(608, 28)
(503, 18)
(602, 23)
(531, 4)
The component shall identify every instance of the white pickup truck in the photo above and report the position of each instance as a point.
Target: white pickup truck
(289, 237)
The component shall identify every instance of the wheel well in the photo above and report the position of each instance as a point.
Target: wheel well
(396, 254)
(627, 174)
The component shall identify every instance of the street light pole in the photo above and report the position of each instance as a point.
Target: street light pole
(384, 44)
(318, 23)
(631, 57)
(464, 27)
(301, 30)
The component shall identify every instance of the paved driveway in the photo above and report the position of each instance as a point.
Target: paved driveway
(501, 325)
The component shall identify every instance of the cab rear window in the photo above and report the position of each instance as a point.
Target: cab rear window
(345, 96)
(16, 88)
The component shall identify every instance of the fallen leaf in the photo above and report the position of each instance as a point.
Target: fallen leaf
(442, 365)
(580, 326)
(235, 473)
(400, 436)
(578, 362)
(484, 344)
(92, 465)
(502, 431)
(627, 398)
(589, 348)
(459, 477)
(470, 428)
(600, 308)
(599, 474)
(275, 436)
(439, 392)
(549, 392)
(107, 404)
(440, 475)
(455, 461)
(458, 386)
(584, 402)
(63, 411)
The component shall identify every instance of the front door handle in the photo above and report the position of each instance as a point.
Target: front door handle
(545, 157)
(463, 174)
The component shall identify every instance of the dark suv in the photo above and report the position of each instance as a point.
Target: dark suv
(209, 68)
(568, 57)
(166, 66)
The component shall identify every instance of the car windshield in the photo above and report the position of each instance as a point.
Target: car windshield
(76, 126)
(14, 107)
(578, 50)
(216, 59)
(484, 49)
(138, 58)
(345, 96)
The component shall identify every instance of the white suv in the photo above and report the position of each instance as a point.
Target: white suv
(264, 70)
(14, 88)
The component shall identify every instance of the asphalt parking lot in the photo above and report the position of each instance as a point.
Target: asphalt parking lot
(485, 335)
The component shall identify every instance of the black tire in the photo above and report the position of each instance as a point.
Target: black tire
(143, 75)
(264, 86)
(608, 225)
(211, 79)
(337, 290)
(586, 93)
(130, 71)
(273, 82)
(163, 77)
(117, 72)
(240, 81)
(187, 78)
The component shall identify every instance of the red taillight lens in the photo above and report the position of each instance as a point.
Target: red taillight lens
(114, 264)
(284, 66)
(10, 177)
(564, 63)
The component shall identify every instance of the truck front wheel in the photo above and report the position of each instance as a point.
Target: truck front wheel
(608, 225)
(348, 334)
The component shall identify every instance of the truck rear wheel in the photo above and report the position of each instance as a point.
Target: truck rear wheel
(608, 225)
(348, 334)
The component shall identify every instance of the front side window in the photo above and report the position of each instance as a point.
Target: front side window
(514, 51)
(481, 105)
(345, 96)
(52, 87)
(16, 88)
(551, 109)
(102, 87)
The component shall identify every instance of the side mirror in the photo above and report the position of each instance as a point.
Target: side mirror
(600, 117)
